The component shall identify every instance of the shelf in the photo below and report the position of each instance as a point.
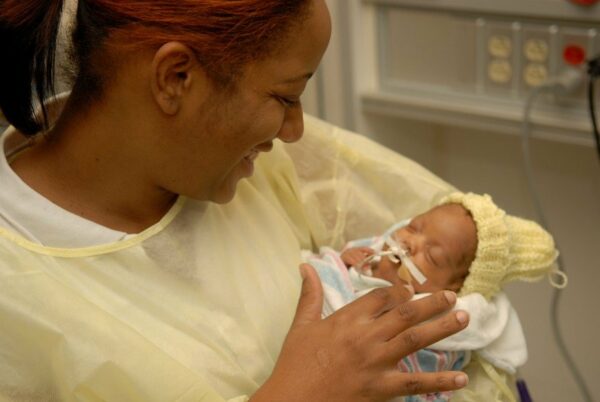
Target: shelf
(568, 125)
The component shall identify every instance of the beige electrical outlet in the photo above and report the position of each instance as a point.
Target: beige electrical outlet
(535, 74)
(500, 71)
(536, 50)
(500, 46)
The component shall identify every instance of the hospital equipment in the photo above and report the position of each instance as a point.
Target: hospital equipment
(479, 73)
(392, 61)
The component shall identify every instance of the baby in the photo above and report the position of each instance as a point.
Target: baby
(465, 244)
(441, 242)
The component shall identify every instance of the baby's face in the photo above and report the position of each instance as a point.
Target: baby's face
(442, 243)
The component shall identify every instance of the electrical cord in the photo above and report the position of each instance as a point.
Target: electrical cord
(569, 81)
(594, 73)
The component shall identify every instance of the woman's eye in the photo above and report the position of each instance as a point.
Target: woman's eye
(289, 103)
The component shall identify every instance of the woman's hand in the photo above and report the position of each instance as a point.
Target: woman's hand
(352, 355)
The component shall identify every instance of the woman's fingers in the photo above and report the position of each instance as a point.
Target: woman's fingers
(311, 297)
(377, 302)
(405, 315)
(419, 337)
(349, 345)
(396, 383)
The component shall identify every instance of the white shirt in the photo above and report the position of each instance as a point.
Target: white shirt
(31, 215)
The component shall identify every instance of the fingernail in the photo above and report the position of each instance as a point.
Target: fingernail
(302, 272)
(461, 380)
(410, 288)
(450, 296)
(462, 317)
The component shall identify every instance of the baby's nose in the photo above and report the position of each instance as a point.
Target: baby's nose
(412, 244)
(406, 244)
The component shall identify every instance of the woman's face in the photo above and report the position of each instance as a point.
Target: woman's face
(224, 134)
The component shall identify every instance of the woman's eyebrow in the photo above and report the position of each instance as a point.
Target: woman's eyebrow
(306, 76)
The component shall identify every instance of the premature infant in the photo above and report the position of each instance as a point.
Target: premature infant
(465, 244)
(441, 242)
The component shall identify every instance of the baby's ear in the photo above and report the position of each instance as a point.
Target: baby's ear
(467, 258)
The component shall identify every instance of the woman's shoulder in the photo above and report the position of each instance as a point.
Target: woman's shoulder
(15, 260)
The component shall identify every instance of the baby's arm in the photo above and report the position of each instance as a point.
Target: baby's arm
(354, 256)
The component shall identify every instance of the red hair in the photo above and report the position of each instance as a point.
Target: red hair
(224, 31)
(224, 34)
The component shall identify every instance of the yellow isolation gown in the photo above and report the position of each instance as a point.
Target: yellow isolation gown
(196, 307)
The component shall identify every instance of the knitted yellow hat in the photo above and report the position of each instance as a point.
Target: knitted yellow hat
(508, 248)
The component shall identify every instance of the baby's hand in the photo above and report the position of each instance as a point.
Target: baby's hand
(354, 257)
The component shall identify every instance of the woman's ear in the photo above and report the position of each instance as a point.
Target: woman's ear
(174, 72)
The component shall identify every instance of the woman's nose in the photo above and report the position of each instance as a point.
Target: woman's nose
(293, 125)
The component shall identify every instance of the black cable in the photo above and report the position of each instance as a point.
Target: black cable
(594, 73)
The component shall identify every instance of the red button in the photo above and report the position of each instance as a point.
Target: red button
(574, 55)
(584, 2)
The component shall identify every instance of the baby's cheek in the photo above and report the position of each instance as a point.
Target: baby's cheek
(387, 271)
(424, 288)
(432, 284)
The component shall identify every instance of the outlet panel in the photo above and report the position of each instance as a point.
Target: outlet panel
(499, 46)
(465, 66)
(471, 53)
(537, 52)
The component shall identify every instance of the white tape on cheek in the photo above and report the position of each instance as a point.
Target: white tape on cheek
(412, 268)
(406, 261)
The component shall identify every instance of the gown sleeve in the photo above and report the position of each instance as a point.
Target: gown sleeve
(352, 187)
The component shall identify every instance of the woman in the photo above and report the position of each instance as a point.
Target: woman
(137, 265)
